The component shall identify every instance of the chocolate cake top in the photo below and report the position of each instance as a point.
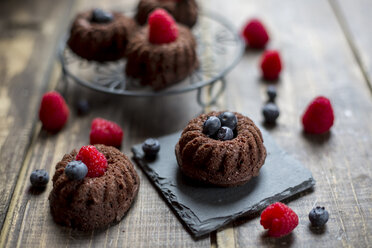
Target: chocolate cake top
(94, 203)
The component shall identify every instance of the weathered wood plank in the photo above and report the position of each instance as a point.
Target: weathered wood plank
(355, 18)
(318, 61)
(27, 45)
(149, 222)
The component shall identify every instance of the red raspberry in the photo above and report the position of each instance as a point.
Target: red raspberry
(255, 34)
(271, 64)
(105, 132)
(53, 112)
(318, 117)
(279, 219)
(162, 27)
(93, 159)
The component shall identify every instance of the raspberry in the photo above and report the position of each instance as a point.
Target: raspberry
(105, 132)
(255, 34)
(53, 112)
(162, 27)
(318, 117)
(279, 219)
(93, 159)
(271, 65)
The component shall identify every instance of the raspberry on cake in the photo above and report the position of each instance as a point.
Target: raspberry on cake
(105, 132)
(93, 159)
(161, 53)
(318, 117)
(94, 202)
(279, 219)
(162, 27)
(184, 11)
(53, 112)
(225, 153)
(271, 65)
(255, 34)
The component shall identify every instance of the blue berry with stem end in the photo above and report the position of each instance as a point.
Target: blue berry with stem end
(151, 147)
(318, 216)
(270, 112)
(39, 178)
(271, 93)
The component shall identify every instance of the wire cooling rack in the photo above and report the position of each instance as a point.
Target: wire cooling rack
(219, 49)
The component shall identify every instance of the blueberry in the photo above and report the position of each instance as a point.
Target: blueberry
(318, 216)
(270, 112)
(76, 170)
(228, 119)
(271, 93)
(39, 178)
(225, 133)
(211, 125)
(151, 147)
(100, 16)
(83, 107)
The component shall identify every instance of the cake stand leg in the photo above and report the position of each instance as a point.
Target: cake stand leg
(212, 95)
(64, 79)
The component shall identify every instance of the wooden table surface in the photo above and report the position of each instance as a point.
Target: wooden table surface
(326, 48)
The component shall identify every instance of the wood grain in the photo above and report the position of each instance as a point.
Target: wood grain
(355, 19)
(318, 61)
(27, 45)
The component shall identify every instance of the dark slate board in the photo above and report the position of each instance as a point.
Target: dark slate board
(204, 208)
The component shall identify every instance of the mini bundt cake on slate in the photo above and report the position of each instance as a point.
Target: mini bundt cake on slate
(162, 53)
(100, 36)
(100, 198)
(221, 148)
(184, 11)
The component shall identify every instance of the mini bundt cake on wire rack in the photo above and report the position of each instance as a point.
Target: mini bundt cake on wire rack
(95, 201)
(100, 36)
(230, 155)
(184, 11)
(161, 53)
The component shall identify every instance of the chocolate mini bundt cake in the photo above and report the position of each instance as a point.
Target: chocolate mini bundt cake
(100, 36)
(221, 148)
(164, 60)
(184, 11)
(96, 201)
